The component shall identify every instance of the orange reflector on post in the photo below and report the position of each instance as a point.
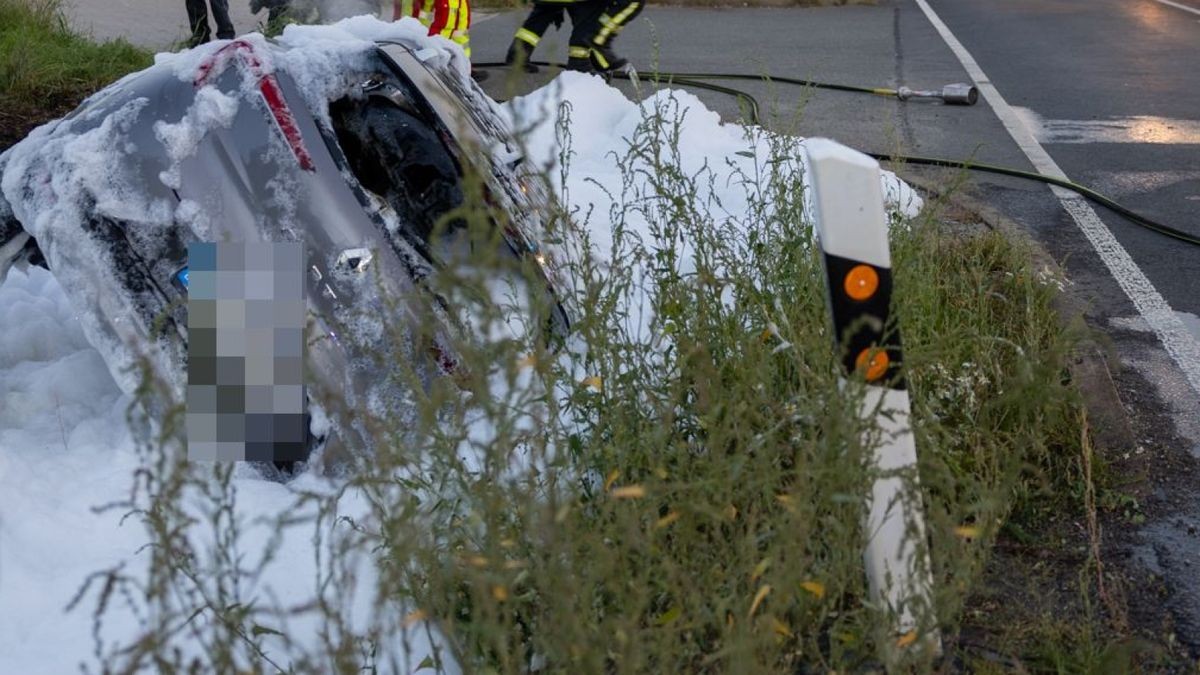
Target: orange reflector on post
(861, 282)
(873, 363)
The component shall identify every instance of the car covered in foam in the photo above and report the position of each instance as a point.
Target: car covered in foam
(360, 149)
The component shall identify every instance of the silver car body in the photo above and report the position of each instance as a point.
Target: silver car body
(275, 172)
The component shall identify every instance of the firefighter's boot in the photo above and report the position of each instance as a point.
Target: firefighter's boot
(606, 60)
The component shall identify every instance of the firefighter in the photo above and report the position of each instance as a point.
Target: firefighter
(585, 17)
(197, 11)
(620, 13)
(449, 18)
(594, 24)
(530, 33)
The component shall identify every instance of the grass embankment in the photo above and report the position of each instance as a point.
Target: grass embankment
(46, 68)
(721, 529)
(685, 497)
(695, 503)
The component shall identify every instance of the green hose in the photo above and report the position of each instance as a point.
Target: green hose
(662, 75)
(878, 91)
(696, 80)
(693, 81)
(1082, 190)
(749, 101)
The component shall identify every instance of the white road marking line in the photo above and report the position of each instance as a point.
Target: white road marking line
(1178, 5)
(1175, 337)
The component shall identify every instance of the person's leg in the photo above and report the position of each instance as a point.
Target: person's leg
(460, 19)
(197, 12)
(542, 16)
(585, 25)
(220, 11)
(464, 26)
(620, 14)
(530, 33)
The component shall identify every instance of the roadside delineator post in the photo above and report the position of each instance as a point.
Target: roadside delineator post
(852, 228)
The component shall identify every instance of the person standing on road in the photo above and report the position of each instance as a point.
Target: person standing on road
(449, 18)
(620, 13)
(198, 20)
(594, 25)
(584, 17)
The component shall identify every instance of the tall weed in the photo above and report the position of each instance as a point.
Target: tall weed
(678, 487)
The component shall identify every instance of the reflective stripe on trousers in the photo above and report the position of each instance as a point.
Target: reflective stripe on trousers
(528, 37)
(611, 25)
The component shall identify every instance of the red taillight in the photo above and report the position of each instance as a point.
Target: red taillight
(268, 86)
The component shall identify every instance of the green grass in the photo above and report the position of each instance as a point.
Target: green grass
(746, 455)
(42, 60)
(747, 458)
(691, 505)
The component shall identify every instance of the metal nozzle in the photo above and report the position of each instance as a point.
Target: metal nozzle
(951, 94)
(960, 94)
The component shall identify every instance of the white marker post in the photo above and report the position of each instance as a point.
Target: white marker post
(853, 230)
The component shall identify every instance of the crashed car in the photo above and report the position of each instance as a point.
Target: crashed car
(235, 143)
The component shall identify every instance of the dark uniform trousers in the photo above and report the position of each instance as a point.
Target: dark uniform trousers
(585, 23)
(620, 13)
(198, 19)
(594, 24)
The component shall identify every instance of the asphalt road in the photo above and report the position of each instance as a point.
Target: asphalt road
(1111, 91)
(157, 24)
(1111, 88)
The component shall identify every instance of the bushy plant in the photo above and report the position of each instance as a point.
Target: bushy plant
(677, 488)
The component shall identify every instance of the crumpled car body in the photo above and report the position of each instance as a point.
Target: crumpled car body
(233, 149)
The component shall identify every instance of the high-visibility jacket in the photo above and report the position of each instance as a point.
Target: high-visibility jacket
(448, 18)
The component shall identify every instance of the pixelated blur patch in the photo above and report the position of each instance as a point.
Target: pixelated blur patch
(246, 311)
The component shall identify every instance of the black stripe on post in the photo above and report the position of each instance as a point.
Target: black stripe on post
(862, 324)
